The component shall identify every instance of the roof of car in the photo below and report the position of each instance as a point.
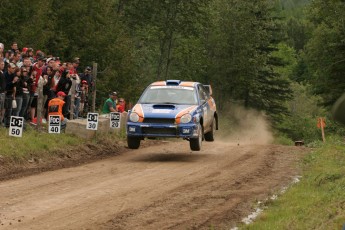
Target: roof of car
(174, 83)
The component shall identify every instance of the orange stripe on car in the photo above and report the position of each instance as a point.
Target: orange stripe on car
(187, 83)
(186, 110)
(139, 110)
(212, 104)
(159, 83)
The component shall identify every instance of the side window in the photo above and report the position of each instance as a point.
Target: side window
(202, 93)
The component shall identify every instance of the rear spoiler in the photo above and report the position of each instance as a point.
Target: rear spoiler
(208, 89)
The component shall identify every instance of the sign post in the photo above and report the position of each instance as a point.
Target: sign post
(321, 124)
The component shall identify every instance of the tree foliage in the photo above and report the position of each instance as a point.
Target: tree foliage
(250, 51)
(326, 49)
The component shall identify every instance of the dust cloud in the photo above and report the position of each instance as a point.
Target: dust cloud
(244, 127)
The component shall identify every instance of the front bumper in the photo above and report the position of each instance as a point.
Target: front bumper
(188, 130)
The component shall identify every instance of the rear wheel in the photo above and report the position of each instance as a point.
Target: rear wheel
(133, 142)
(195, 143)
(210, 135)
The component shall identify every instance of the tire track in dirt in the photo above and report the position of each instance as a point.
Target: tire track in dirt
(224, 196)
(159, 187)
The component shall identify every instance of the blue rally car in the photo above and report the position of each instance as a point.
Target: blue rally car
(173, 108)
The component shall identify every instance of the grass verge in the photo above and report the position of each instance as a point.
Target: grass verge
(33, 142)
(318, 200)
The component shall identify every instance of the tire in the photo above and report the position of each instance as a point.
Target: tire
(133, 142)
(210, 135)
(195, 143)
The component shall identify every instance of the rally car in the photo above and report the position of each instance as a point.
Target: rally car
(173, 108)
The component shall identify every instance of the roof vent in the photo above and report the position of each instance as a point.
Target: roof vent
(173, 82)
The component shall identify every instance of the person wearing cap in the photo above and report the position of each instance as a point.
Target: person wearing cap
(55, 107)
(87, 77)
(50, 62)
(110, 104)
(24, 50)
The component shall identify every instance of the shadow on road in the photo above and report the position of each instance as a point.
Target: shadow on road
(169, 157)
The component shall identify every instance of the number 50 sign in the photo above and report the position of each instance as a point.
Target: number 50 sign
(16, 126)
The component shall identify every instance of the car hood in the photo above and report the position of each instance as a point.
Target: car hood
(162, 110)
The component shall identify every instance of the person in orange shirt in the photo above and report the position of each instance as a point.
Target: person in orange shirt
(121, 106)
(55, 106)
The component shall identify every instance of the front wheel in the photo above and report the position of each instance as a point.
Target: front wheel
(133, 142)
(195, 143)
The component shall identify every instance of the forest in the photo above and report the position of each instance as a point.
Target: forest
(284, 58)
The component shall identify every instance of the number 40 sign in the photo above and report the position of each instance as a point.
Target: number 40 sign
(54, 124)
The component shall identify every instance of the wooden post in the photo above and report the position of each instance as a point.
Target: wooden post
(39, 102)
(322, 129)
(94, 75)
(321, 124)
(71, 109)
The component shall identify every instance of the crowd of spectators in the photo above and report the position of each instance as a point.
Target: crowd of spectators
(21, 71)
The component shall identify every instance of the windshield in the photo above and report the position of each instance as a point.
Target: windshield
(169, 95)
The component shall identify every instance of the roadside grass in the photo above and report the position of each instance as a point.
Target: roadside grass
(318, 200)
(33, 142)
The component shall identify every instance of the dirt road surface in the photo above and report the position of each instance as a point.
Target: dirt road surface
(158, 187)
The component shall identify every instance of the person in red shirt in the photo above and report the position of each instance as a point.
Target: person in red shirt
(37, 73)
(121, 106)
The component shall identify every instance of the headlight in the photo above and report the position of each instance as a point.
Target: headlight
(186, 118)
(134, 117)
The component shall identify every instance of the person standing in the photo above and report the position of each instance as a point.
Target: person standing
(48, 89)
(87, 77)
(37, 74)
(18, 92)
(110, 104)
(2, 90)
(11, 81)
(83, 97)
(64, 85)
(26, 93)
